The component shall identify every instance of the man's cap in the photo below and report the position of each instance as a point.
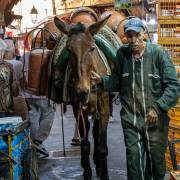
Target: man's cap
(134, 24)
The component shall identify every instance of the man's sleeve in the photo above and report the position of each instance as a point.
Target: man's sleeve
(171, 86)
(112, 82)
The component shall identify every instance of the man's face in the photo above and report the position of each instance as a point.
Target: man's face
(135, 39)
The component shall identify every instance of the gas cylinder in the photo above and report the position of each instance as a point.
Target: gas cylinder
(38, 71)
(120, 31)
(116, 23)
(83, 15)
(114, 19)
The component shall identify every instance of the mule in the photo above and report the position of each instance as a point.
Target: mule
(85, 98)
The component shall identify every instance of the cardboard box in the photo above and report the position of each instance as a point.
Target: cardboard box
(175, 175)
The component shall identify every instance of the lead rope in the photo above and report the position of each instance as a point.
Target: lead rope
(67, 76)
(97, 113)
(80, 115)
(62, 125)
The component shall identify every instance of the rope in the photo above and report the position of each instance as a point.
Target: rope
(97, 113)
(9, 158)
(116, 99)
(104, 59)
(80, 115)
(67, 75)
(64, 148)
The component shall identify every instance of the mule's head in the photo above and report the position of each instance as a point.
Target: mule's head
(83, 54)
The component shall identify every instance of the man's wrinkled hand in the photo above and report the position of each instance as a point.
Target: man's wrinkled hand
(96, 77)
(152, 117)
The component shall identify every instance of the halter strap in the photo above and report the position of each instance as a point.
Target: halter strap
(104, 59)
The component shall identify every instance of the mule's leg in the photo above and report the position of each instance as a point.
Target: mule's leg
(96, 143)
(102, 146)
(85, 144)
(103, 152)
(85, 151)
(85, 162)
(100, 151)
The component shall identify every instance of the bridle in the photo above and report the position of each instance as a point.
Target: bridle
(81, 108)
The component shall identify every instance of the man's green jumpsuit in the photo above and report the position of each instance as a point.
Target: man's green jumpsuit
(149, 82)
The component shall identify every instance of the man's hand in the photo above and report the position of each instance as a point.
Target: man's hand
(152, 117)
(96, 77)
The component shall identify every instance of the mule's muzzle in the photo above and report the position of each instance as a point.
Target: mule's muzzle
(83, 97)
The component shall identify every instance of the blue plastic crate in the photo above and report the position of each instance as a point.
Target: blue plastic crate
(19, 144)
(5, 169)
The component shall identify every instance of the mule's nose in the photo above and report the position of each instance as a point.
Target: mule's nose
(83, 96)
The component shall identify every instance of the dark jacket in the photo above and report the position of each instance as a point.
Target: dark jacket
(151, 82)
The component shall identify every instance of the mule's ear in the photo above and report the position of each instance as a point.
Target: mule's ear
(61, 25)
(95, 28)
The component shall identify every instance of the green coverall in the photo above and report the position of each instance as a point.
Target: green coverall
(149, 82)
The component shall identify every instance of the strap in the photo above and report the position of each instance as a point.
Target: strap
(104, 59)
(65, 92)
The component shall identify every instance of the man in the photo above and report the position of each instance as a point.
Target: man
(41, 115)
(10, 57)
(20, 108)
(41, 119)
(146, 79)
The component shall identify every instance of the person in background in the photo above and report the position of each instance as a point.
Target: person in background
(41, 118)
(15, 43)
(146, 79)
(17, 52)
(10, 57)
(21, 106)
(41, 115)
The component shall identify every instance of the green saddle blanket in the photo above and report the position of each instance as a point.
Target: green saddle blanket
(107, 42)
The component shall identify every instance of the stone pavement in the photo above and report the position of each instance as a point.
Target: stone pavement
(58, 167)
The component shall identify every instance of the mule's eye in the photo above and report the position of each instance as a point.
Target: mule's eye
(92, 48)
(67, 45)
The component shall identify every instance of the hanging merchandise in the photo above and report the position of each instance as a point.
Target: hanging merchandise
(168, 37)
(122, 4)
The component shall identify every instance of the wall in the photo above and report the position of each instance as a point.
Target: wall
(44, 8)
(66, 6)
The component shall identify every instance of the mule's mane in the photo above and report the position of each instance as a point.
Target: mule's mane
(79, 27)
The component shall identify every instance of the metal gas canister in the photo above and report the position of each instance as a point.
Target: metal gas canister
(83, 15)
(38, 71)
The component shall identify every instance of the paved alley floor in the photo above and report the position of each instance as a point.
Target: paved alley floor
(58, 167)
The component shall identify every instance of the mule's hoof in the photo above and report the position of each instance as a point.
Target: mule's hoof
(87, 176)
(98, 172)
(75, 142)
(101, 175)
(104, 178)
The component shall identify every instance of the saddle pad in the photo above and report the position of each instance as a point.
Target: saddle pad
(110, 36)
(106, 33)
